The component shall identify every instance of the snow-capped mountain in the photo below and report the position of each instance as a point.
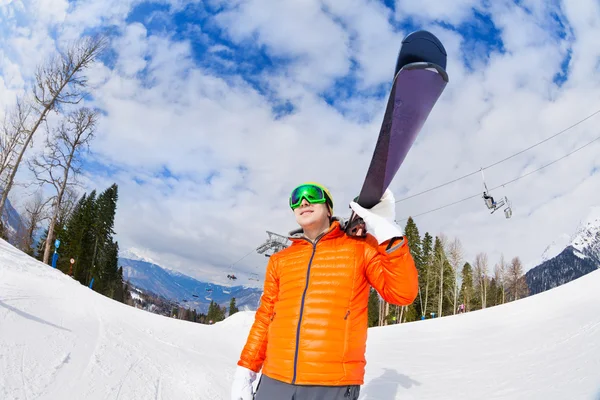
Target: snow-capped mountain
(568, 258)
(133, 253)
(12, 221)
(184, 289)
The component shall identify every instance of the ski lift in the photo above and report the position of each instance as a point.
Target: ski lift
(508, 209)
(231, 276)
(492, 204)
(208, 291)
(254, 277)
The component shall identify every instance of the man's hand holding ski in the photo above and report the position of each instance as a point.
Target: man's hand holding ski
(379, 220)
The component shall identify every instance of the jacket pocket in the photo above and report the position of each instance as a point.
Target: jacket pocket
(346, 334)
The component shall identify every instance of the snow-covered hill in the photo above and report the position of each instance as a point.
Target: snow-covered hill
(184, 289)
(569, 257)
(60, 340)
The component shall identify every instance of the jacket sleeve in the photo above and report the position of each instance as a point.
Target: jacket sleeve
(391, 270)
(253, 353)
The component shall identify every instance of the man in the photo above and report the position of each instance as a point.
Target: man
(310, 330)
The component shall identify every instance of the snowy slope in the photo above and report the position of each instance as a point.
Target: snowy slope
(59, 339)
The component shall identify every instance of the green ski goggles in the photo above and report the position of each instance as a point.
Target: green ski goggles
(314, 194)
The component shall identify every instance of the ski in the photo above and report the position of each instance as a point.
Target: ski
(420, 78)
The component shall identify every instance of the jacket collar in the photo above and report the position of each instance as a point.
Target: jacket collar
(336, 229)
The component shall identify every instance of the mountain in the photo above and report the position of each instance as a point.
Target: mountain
(580, 255)
(12, 221)
(184, 289)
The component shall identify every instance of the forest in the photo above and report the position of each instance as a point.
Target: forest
(449, 284)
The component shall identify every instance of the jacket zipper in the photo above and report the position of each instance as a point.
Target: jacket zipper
(302, 307)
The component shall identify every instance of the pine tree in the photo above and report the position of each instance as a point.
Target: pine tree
(440, 261)
(427, 269)
(78, 239)
(232, 307)
(105, 253)
(373, 308)
(466, 290)
(413, 237)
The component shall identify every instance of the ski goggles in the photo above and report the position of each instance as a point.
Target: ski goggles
(312, 193)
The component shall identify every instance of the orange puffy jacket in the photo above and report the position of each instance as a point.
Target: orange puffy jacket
(311, 325)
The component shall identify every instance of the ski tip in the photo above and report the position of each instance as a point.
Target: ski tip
(421, 46)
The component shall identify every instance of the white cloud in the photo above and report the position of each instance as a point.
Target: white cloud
(425, 11)
(164, 111)
(300, 31)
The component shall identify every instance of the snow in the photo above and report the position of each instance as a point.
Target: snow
(585, 237)
(133, 253)
(59, 339)
(555, 248)
(135, 295)
(588, 231)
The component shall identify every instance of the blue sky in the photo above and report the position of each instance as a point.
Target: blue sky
(212, 111)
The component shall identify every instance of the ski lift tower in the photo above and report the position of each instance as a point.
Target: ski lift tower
(273, 244)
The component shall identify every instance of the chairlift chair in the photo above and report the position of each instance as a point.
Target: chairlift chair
(489, 200)
(208, 291)
(508, 210)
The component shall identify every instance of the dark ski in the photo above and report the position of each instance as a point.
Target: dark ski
(420, 78)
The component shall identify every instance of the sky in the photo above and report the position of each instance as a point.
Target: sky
(213, 111)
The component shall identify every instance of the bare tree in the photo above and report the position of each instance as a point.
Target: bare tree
(480, 272)
(34, 213)
(57, 82)
(500, 275)
(516, 279)
(455, 257)
(12, 135)
(441, 261)
(59, 165)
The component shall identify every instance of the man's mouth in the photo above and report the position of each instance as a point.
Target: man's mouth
(305, 211)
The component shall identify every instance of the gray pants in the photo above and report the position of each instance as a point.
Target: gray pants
(271, 389)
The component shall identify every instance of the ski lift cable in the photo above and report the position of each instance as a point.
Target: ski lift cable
(500, 161)
(246, 255)
(505, 183)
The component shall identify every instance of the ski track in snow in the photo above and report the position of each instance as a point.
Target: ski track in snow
(59, 339)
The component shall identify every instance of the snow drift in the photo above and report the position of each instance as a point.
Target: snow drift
(60, 340)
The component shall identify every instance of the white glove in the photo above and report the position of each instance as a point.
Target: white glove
(379, 220)
(242, 384)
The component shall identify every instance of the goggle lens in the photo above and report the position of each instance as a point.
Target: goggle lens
(312, 194)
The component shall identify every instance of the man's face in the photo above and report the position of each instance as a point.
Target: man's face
(311, 215)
